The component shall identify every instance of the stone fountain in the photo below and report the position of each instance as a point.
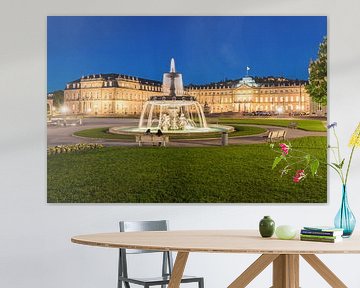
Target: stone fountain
(173, 112)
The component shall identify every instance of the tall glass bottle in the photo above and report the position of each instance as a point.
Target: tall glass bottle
(345, 219)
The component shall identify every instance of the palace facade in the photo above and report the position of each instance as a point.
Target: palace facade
(117, 95)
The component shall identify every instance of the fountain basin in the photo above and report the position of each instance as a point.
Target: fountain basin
(131, 130)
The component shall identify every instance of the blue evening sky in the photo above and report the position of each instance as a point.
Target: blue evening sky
(206, 49)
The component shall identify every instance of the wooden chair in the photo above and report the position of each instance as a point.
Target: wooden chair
(167, 265)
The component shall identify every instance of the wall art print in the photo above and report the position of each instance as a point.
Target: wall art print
(170, 109)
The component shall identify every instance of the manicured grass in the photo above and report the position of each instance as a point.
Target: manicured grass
(239, 131)
(304, 124)
(230, 174)
(103, 133)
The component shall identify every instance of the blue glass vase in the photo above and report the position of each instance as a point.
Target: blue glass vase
(345, 219)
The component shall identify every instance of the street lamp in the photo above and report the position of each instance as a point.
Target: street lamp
(64, 109)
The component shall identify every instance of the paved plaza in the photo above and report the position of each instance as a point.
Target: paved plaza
(64, 135)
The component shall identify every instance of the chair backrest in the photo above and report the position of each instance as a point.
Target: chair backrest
(133, 226)
(137, 226)
(275, 134)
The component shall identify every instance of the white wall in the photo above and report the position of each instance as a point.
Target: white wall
(35, 248)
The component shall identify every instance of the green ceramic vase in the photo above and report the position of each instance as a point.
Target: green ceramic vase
(267, 227)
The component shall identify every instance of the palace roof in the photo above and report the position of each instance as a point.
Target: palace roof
(116, 76)
(269, 81)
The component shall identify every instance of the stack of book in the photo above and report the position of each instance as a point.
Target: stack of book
(321, 234)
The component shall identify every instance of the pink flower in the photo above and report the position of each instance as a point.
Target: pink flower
(284, 148)
(299, 175)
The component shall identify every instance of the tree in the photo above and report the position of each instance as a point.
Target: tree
(58, 97)
(317, 87)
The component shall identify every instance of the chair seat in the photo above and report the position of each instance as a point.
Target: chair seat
(158, 280)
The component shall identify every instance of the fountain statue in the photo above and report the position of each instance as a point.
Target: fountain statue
(172, 78)
(173, 112)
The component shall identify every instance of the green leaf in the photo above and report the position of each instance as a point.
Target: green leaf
(276, 162)
(272, 145)
(314, 167)
(339, 166)
(342, 163)
(308, 158)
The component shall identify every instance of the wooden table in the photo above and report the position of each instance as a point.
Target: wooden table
(284, 254)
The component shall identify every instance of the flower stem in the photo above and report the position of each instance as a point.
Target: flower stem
(350, 159)
(348, 166)
(339, 156)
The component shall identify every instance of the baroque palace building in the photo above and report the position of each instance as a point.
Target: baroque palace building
(117, 95)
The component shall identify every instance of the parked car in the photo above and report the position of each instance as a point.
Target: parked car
(262, 113)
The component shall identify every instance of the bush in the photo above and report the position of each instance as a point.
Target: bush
(72, 148)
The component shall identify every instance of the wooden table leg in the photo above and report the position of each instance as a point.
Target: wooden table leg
(286, 271)
(253, 270)
(324, 271)
(178, 269)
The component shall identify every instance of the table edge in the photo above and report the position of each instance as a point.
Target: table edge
(203, 250)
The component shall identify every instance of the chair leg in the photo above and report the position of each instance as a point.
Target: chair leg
(201, 283)
(119, 270)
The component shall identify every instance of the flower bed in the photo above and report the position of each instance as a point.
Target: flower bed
(72, 148)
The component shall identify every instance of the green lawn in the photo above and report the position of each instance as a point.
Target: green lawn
(103, 133)
(230, 174)
(304, 124)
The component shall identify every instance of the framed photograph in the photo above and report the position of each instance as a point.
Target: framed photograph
(187, 109)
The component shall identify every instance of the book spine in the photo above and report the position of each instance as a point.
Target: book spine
(318, 239)
(319, 233)
(319, 236)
